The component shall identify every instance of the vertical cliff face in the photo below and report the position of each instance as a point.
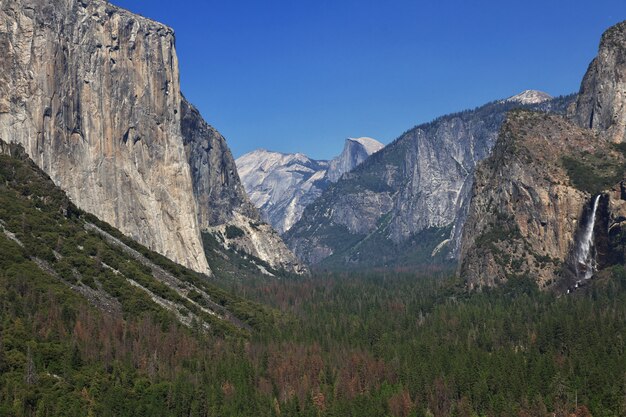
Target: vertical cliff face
(92, 93)
(601, 104)
(355, 151)
(223, 205)
(216, 183)
(525, 210)
(407, 204)
(439, 161)
(549, 204)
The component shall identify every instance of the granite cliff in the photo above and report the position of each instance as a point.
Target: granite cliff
(222, 201)
(549, 204)
(92, 93)
(406, 204)
(601, 104)
(282, 185)
(526, 209)
(355, 151)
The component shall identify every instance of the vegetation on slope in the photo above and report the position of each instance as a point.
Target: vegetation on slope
(97, 261)
(596, 172)
(384, 343)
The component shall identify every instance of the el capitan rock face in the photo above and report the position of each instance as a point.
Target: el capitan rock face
(91, 91)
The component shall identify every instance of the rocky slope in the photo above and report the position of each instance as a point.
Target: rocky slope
(549, 204)
(92, 93)
(526, 208)
(282, 185)
(73, 249)
(406, 204)
(221, 199)
(601, 103)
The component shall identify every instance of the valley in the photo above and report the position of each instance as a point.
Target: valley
(473, 266)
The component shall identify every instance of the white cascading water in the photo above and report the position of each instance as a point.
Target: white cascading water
(585, 257)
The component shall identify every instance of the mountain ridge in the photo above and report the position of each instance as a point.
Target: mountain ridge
(281, 185)
(555, 217)
(419, 183)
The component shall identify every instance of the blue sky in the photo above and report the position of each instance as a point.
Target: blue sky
(302, 75)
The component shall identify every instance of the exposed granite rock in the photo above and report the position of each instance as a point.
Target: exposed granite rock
(222, 200)
(550, 186)
(601, 103)
(91, 91)
(409, 199)
(355, 151)
(282, 185)
(252, 237)
(216, 183)
(527, 203)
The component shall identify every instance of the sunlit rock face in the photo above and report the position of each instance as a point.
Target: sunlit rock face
(601, 104)
(283, 185)
(355, 151)
(92, 93)
(406, 204)
(216, 183)
(221, 199)
(548, 204)
(525, 212)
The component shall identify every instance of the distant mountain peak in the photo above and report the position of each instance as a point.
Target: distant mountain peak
(355, 151)
(282, 185)
(370, 145)
(530, 97)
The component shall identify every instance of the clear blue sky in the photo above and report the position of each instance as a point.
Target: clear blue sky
(302, 75)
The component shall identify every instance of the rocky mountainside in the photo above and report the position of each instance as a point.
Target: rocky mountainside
(92, 93)
(528, 204)
(215, 181)
(406, 204)
(222, 201)
(602, 97)
(550, 203)
(46, 237)
(282, 185)
(355, 151)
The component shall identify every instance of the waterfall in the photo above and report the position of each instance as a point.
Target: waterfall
(585, 255)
